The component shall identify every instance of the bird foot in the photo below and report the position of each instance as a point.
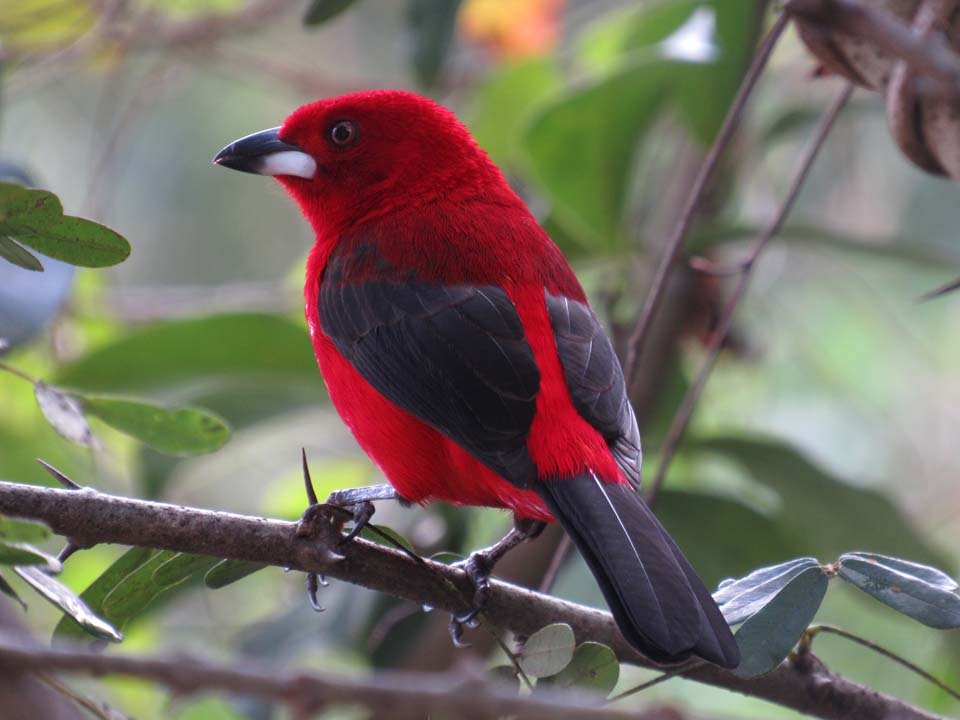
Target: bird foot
(358, 502)
(478, 569)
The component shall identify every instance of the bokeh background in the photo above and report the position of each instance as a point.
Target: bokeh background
(830, 423)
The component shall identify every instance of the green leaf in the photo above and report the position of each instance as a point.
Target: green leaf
(19, 255)
(767, 637)
(64, 598)
(35, 218)
(741, 599)
(844, 515)
(320, 11)
(23, 554)
(93, 596)
(22, 530)
(227, 572)
(431, 23)
(906, 587)
(928, 574)
(706, 90)
(580, 149)
(548, 651)
(705, 81)
(239, 347)
(183, 431)
(593, 667)
(64, 414)
(180, 567)
(503, 102)
(131, 596)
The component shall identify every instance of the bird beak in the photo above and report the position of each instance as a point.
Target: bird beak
(264, 153)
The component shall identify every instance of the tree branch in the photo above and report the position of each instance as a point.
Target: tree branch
(91, 517)
(682, 417)
(401, 695)
(637, 340)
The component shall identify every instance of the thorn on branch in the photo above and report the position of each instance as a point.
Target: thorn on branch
(59, 476)
(312, 498)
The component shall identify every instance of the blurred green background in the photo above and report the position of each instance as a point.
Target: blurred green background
(828, 425)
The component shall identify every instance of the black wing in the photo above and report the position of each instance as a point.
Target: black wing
(453, 356)
(595, 380)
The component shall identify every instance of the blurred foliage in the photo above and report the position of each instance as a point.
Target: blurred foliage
(827, 429)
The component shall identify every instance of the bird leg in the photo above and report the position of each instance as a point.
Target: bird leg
(479, 566)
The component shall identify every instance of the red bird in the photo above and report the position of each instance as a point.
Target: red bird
(461, 351)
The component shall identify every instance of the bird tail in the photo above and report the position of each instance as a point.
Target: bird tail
(657, 600)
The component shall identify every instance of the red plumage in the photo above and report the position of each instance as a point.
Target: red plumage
(480, 233)
(458, 346)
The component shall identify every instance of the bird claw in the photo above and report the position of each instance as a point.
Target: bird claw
(477, 569)
(456, 633)
(362, 512)
(314, 583)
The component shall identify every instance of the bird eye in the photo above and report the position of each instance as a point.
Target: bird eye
(343, 133)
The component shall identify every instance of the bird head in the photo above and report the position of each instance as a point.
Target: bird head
(347, 158)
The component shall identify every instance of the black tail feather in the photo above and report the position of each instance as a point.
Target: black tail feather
(657, 600)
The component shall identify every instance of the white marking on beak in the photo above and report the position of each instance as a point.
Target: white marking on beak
(289, 162)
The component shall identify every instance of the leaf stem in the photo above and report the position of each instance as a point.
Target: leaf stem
(18, 372)
(669, 674)
(806, 644)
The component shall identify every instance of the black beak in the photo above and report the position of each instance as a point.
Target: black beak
(264, 153)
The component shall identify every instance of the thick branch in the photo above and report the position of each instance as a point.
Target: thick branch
(90, 517)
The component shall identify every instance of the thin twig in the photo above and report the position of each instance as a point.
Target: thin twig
(669, 675)
(512, 656)
(556, 562)
(18, 372)
(806, 644)
(682, 417)
(97, 708)
(638, 337)
(95, 517)
(945, 289)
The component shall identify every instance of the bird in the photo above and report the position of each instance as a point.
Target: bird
(460, 349)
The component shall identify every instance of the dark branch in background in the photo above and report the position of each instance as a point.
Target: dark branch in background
(638, 337)
(926, 55)
(685, 411)
(91, 517)
(397, 695)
